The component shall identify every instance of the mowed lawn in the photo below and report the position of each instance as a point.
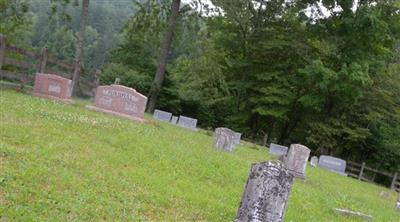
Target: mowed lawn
(64, 163)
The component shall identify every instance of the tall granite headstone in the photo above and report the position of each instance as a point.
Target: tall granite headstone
(162, 115)
(52, 87)
(120, 101)
(296, 160)
(333, 164)
(266, 194)
(314, 161)
(278, 150)
(224, 139)
(187, 122)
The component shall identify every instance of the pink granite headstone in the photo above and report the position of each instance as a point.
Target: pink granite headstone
(121, 101)
(53, 87)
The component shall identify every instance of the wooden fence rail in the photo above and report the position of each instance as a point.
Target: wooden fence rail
(39, 62)
(358, 171)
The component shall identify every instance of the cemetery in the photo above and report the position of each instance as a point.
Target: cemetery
(191, 110)
(112, 165)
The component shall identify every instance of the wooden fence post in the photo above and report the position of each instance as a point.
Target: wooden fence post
(2, 49)
(43, 60)
(393, 186)
(361, 171)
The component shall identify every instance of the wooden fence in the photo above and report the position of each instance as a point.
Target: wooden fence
(30, 62)
(363, 173)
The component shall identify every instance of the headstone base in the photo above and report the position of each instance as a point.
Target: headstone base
(97, 109)
(67, 101)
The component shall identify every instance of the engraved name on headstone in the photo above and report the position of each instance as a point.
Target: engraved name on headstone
(266, 194)
(333, 164)
(278, 150)
(296, 160)
(121, 101)
(224, 139)
(162, 115)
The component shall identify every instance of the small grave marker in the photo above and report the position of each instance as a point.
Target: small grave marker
(398, 202)
(314, 161)
(121, 101)
(347, 212)
(52, 87)
(174, 120)
(236, 138)
(187, 122)
(278, 150)
(266, 194)
(296, 160)
(162, 115)
(224, 139)
(333, 164)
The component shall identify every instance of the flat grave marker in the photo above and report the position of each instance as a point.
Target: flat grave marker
(52, 87)
(120, 101)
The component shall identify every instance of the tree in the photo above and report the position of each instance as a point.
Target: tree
(79, 47)
(165, 49)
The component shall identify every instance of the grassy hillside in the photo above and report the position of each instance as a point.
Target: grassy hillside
(62, 162)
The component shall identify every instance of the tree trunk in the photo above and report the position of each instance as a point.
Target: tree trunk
(79, 48)
(165, 48)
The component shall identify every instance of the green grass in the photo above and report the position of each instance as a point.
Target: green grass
(64, 163)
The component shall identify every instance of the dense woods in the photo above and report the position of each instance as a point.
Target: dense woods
(322, 73)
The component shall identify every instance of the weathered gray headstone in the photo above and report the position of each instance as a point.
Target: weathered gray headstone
(297, 159)
(224, 139)
(162, 115)
(174, 120)
(187, 122)
(314, 161)
(277, 150)
(237, 137)
(266, 194)
(333, 164)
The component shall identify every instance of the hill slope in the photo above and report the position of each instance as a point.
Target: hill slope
(63, 162)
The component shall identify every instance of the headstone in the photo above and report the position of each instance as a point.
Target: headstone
(314, 161)
(297, 159)
(266, 194)
(277, 150)
(117, 81)
(236, 138)
(52, 87)
(398, 202)
(224, 139)
(187, 122)
(174, 120)
(121, 101)
(333, 164)
(162, 115)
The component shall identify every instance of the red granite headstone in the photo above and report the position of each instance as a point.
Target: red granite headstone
(121, 101)
(52, 87)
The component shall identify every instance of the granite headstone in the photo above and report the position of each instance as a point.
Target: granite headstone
(174, 120)
(296, 160)
(224, 139)
(162, 115)
(314, 161)
(187, 122)
(266, 194)
(333, 164)
(52, 87)
(121, 101)
(278, 150)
